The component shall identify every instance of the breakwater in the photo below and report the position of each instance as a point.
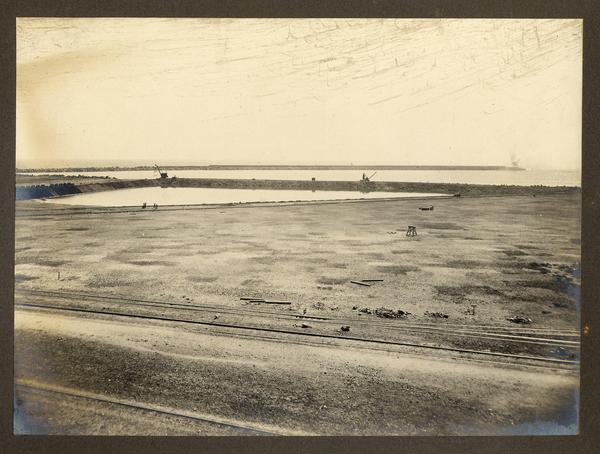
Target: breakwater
(46, 191)
(41, 191)
(56, 190)
(372, 186)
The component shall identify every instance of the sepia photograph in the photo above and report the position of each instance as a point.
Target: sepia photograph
(297, 227)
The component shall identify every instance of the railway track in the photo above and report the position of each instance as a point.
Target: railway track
(556, 338)
(154, 303)
(277, 333)
(241, 428)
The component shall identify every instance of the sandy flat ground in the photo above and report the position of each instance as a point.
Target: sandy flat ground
(507, 255)
(288, 388)
(483, 251)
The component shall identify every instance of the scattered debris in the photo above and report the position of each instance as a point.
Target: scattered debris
(261, 300)
(546, 312)
(521, 320)
(365, 310)
(334, 308)
(303, 325)
(390, 313)
(361, 283)
(216, 316)
(318, 305)
(429, 208)
(345, 328)
(436, 314)
(457, 194)
(322, 407)
(312, 317)
(354, 308)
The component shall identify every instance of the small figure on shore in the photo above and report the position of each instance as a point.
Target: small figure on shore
(155, 206)
(143, 205)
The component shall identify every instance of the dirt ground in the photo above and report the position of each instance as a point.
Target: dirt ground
(299, 389)
(509, 256)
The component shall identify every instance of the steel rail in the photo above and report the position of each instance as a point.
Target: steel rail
(147, 407)
(302, 333)
(461, 332)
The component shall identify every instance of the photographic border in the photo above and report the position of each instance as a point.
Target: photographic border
(590, 261)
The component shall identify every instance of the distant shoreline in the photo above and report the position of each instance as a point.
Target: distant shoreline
(271, 167)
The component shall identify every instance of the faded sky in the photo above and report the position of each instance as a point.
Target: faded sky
(314, 91)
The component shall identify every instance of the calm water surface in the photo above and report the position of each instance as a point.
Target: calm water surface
(193, 196)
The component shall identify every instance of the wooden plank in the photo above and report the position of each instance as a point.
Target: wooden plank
(361, 283)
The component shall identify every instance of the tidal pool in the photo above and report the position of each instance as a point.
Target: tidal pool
(199, 196)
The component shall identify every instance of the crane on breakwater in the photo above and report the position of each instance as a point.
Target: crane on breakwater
(160, 172)
(367, 179)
